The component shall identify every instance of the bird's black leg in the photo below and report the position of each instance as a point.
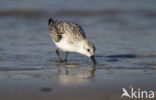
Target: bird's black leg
(58, 54)
(67, 71)
(66, 57)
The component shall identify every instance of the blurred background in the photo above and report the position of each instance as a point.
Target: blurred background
(119, 28)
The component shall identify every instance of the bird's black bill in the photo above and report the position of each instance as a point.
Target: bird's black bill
(93, 59)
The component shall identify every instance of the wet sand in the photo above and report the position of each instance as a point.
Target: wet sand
(73, 82)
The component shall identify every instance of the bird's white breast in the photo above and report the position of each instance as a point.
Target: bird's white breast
(65, 44)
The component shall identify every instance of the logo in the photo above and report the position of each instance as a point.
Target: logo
(138, 93)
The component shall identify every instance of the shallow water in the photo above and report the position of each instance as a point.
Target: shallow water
(123, 32)
(116, 32)
(73, 82)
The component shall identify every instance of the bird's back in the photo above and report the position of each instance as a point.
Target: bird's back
(63, 28)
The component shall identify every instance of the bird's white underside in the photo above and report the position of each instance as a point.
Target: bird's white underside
(65, 45)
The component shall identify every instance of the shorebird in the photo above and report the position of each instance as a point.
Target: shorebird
(70, 37)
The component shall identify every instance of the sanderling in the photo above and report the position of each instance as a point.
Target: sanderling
(70, 37)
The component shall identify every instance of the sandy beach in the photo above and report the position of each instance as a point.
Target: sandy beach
(78, 84)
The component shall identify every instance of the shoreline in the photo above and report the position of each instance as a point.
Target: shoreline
(48, 84)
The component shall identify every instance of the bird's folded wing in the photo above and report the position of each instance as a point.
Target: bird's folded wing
(55, 32)
(72, 29)
(66, 28)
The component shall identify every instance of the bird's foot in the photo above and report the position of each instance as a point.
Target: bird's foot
(60, 60)
(65, 60)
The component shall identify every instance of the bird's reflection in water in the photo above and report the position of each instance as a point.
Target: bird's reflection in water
(74, 74)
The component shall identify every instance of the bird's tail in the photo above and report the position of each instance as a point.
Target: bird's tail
(51, 21)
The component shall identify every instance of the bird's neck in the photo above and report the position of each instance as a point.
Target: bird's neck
(80, 47)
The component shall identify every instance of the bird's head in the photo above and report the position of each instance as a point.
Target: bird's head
(88, 49)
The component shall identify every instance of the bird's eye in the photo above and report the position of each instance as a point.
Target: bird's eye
(88, 50)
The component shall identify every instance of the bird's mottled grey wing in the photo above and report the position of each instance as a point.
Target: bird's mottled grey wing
(54, 31)
(71, 28)
(58, 28)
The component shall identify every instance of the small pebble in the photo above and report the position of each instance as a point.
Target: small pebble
(46, 89)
